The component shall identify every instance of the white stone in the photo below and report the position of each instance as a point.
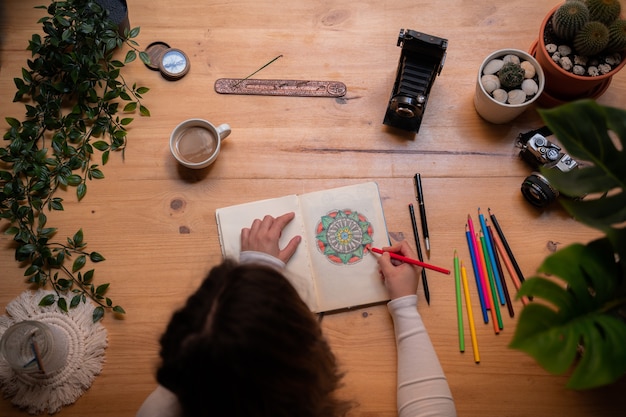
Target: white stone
(564, 50)
(500, 95)
(530, 87)
(604, 68)
(490, 82)
(593, 71)
(565, 63)
(511, 58)
(529, 69)
(493, 66)
(614, 59)
(551, 48)
(580, 60)
(556, 57)
(516, 97)
(578, 70)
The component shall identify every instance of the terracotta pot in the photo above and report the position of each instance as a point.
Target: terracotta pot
(562, 86)
(497, 112)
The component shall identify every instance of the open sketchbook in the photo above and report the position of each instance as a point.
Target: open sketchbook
(332, 268)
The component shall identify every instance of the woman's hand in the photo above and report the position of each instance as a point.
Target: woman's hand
(263, 236)
(400, 278)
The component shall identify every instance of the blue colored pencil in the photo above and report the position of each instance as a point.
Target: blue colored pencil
(490, 258)
(479, 285)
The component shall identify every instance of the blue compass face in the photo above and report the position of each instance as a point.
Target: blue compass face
(174, 62)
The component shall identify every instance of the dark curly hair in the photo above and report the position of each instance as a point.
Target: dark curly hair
(245, 344)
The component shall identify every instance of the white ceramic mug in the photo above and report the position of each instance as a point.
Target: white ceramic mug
(196, 143)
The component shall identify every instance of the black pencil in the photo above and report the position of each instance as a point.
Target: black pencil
(507, 248)
(419, 252)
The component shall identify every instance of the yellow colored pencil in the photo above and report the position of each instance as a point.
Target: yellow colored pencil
(470, 315)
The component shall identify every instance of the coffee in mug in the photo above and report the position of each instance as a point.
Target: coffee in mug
(195, 143)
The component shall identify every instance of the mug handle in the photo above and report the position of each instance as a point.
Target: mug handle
(223, 130)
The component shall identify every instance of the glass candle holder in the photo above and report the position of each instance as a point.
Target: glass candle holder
(34, 347)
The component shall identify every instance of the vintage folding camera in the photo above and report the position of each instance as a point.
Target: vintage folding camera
(538, 151)
(421, 60)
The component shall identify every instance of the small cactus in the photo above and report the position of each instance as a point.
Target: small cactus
(591, 39)
(511, 75)
(605, 11)
(617, 36)
(569, 18)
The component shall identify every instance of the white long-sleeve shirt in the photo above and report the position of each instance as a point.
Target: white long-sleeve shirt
(422, 386)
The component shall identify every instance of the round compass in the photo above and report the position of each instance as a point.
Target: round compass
(174, 64)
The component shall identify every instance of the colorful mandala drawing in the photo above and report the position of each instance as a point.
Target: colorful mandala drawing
(344, 236)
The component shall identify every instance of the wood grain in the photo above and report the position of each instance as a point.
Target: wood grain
(154, 221)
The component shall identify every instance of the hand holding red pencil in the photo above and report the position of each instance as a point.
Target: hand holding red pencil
(400, 279)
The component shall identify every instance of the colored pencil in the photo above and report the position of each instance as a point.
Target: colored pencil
(490, 257)
(412, 261)
(419, 252)
(506, 245)
(459, 306)
(492, 284)
(470, 315)
(494, 307)
(479, 286)
(509, 265)
(482, 272)
(505, 287)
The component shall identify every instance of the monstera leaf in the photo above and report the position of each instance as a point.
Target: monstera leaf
(576, 321)
(582, 128)
(577, 325)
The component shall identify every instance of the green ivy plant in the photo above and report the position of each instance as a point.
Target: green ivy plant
(577, 321)
(73, 91)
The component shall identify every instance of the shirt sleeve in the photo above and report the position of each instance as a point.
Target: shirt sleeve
(422, 386)
(160, 403)
(249, 256)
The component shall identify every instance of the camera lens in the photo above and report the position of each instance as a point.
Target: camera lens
(538, 191)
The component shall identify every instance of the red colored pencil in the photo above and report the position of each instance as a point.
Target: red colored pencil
(412, 261)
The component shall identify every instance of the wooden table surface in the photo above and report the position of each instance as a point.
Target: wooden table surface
(154, 221)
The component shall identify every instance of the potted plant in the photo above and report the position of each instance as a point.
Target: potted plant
(581, 45)
(577, 320)
(509, 81)
(72, 90)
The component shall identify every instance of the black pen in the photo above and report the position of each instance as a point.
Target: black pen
(419, 252)
(419, 196)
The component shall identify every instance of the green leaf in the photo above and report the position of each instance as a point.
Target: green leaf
(48, 300)
(145, 58)
(578, 308)
(75, 300)
(130, 56)
(582, 128)
(129, 107)
(81, 190)
(144, 111)
(13, 122)
(119, 310)
(62, 304)
(74, 179)
(96, 257)
(101, 145)
(79, 263)
(101, 289)
(77, 239)
(98, 313)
